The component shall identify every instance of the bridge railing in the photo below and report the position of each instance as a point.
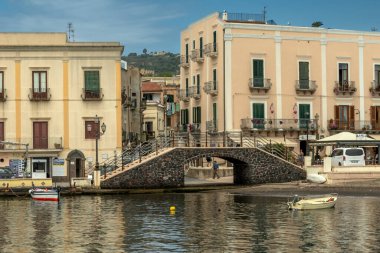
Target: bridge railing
(197, 139)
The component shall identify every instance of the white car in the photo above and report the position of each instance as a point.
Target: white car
(348, 157)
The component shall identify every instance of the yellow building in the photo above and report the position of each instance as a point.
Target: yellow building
(240, 73)
(51, 91)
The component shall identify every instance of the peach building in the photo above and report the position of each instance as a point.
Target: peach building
(239, 73)
(51, 91)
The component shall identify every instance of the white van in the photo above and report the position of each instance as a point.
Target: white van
(348, 157)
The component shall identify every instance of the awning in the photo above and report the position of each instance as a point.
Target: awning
(375, 136)
(249, 141)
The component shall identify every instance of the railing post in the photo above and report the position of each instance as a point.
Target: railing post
(122, 158)
(188, 139)
(140, 153)
(173, 140)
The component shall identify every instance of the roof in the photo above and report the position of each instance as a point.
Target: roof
(345, 136)
(151, 87)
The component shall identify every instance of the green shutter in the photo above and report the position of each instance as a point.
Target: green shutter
(258, 73)
(304, 75)
(258, 115)
(92, 82)
(304, 115)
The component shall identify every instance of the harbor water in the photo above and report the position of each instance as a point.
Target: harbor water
(215, 221)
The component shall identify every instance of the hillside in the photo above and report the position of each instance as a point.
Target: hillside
(162, 64)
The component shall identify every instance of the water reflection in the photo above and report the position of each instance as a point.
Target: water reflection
(202, 222)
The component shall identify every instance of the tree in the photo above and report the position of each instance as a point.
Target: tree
(145, 51)
(317, 24)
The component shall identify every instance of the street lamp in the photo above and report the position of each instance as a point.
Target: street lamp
(97, 136)
(307, 114)
(165, 113)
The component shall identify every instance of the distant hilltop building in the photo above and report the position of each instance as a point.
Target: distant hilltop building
(147, 72)
(291, 84)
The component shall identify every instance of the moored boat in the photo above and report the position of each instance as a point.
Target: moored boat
(313, 202)
(45, 194)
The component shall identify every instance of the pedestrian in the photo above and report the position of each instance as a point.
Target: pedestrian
(301, 159)
(208, 159)
(215, 168)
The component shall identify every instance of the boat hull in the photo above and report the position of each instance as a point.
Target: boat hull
(44, 195)
(314, 203)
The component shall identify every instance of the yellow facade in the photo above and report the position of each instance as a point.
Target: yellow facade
(341, 70)
(65, 104)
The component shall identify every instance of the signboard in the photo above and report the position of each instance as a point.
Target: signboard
(17, 167)
(305, 137)
(361, 136)
(59, 167)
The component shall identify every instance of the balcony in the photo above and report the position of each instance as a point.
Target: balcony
(3, 95)
(358, 126)
(259, 84)
(344, 88)
(92, 95)
(211, 87)
(48, 144)
(211, 126)
(39, 94)
(268, 125)
(197, 55)
(195, 127)
(195, 92)
(375, 88)
(305, 87)
(184, 95)
(184, 61)
(211, 50)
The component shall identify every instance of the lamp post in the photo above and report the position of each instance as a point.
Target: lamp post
(307, 114)
(165, 114)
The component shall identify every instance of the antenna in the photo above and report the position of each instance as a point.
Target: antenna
(70, 31)
(265, 13)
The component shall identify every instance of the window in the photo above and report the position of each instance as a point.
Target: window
(258, 73)
(193, 44)
(214, 41)
(197, 115)
(187, 87)
(377, 76)
(91, 129)
(39, 90)
(184, 119)
(40, 135)
(343, 75)
(1, 134)
(148, 96)
(214, 79)
(258, 115)
(375, 117)
(345, 117)
(2, 95)
(91, 84)
(214, 114)
(303, 69)
(198, 91)
(304, 115)
(200, 47)
(187, 52)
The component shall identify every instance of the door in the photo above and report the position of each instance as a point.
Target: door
(40, 135)
(304, 116)
(304, 75)
(258, 115)
(258, 73)
(39, 167)
(375, 117)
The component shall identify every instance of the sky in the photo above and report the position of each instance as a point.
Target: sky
(157, 24)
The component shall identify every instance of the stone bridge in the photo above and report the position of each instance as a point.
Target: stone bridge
(250, 165)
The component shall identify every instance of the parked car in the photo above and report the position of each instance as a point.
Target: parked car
(348, 157)
(6, 173)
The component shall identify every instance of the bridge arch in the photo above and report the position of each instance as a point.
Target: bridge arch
(251, 166)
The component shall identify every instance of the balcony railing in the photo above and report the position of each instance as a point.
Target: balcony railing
(39, 94)
(353, 125)
(184, 61)
(195, 92)
(344, 88)
(184, 95)
(211, 50)
(243, 17)
(305, 87)
(48, 143)
(211, 126)
(211, 87)
(278, 124)
(3, 95)
(92, 95)
(259, 84)
(197, 55)
(375, 88)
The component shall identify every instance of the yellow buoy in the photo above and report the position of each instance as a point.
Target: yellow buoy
(172, 208)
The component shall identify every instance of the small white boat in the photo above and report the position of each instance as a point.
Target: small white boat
(313, 202)
(45, 194)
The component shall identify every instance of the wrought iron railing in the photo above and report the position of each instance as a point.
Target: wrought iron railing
(89, 95)
(211, 49)
(3, 95)
(211, 87)
(39, 94)
(353, 125)
(276, 124)
(344, 87)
